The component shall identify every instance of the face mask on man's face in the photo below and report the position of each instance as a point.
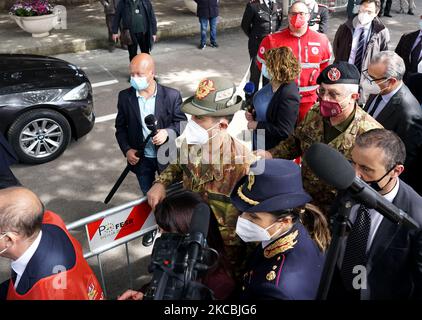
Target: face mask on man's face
(364, 18)
(330, 109)
(139, 83)
(374, 183)
(369, 87)
(195, 134)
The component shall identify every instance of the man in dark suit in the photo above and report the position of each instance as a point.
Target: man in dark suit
(146, 97)
(138, 23)
(410, 49)
(393, 105)
(47, 262)
(207, 11)
(7, 158)
(380, 259)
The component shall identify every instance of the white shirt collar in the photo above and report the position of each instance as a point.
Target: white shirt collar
(388, 96)
(20, 264)
(393, 193)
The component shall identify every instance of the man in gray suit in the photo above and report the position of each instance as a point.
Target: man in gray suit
(393, 105)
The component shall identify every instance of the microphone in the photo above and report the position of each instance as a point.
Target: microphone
(334, 169)
(151, 123)
(249, 91)
(198, 232)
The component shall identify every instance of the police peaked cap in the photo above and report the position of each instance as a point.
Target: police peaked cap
(340, 72)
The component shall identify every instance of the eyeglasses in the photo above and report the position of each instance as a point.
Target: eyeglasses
(296, 13)
(369, 78)
(321, 92)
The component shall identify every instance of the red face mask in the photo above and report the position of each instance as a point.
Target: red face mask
(329, 109)
(297, 21)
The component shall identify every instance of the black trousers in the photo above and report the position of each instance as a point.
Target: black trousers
(387, 6)
(141, 40)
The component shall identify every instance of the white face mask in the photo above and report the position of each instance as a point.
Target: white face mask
(195, 134)
(364, 18)
(251, 232)
(371, 88)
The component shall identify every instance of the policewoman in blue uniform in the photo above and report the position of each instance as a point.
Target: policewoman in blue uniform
(288, 262)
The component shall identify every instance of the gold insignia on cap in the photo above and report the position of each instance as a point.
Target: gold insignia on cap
(251, 181)
(205, 87)
(275, 267)
(281, 245)
(334, 74)
(271, 276)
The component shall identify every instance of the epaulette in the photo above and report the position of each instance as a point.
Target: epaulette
(281, 245)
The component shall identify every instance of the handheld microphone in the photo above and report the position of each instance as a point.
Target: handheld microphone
(151, 123)
(249, 91)
(198, 232)
(333, 168)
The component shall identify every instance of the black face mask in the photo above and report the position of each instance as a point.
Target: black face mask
(374, 184)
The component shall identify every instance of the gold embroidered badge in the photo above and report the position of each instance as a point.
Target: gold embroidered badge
(205, 87)
(271, 276)
(281, 245)
(251, 181)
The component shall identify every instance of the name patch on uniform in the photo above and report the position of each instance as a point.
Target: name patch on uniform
(314, 44)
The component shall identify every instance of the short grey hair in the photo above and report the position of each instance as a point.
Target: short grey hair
(296, 2)
(394, 63)
(350, 88)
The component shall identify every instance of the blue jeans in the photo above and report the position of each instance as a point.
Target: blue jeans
(204, 28)
(147, 174)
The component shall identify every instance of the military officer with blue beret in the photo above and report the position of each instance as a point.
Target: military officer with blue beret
(287, 263)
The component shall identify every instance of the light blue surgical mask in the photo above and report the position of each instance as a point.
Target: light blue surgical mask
(265, 72)
(139, 83)
(420, 24)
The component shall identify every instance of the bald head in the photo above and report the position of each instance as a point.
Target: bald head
(298, 6)
(21, 211)
(142, 65)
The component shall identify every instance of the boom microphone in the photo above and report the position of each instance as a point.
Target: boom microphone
(333, 168)
(151, 123)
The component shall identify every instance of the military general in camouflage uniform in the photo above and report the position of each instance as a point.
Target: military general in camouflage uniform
(336, 120)
(209, 160)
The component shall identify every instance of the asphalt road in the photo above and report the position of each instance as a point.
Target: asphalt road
(76, 184)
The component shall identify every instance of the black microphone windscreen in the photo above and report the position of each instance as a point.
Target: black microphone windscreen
(200, 219)
(249, 88)
(150, 120)
(330, 165)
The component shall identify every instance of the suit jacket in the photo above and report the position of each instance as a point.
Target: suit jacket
(128, 121)
(7, 157)
(124, 15)
(394, 267)
(403, 115)
(282, 114)
(404, 49)
(207, 8)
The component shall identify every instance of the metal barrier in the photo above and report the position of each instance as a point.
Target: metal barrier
(109, 213)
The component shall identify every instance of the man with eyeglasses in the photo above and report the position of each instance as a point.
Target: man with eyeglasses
(362, 36)
(393, 105)
(336, 120)
(311, 48)
(388, 254)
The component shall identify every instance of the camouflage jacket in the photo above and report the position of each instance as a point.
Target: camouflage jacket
(213, 181)
(310, 131)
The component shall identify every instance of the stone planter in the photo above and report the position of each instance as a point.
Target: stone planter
(38, 26)
(191, 5)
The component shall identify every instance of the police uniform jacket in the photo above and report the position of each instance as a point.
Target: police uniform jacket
(289, 268)
(319, 17)
(258, 20)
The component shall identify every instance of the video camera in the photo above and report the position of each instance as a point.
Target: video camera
(178, 262)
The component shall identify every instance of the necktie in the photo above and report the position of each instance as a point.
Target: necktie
(359, 51)
(355, 253)
(414, 56)
(375, 106)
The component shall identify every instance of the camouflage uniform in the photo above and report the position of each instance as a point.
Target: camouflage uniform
(214, 182)
(310, 131)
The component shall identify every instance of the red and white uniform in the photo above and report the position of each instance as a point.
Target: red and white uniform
(313, 51)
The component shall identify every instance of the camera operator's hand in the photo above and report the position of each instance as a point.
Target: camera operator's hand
(160, 137)
(263, 154)
(252, 125)
(249, 116)
(156, 194)
(131, 157)
(131, 295)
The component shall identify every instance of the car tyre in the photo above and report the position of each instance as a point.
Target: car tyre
(39, 135)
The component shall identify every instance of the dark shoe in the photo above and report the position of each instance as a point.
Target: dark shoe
(202, 46)
(148, 238)
(111, 48)
(411, 13)
(388, 15)
(214, 45)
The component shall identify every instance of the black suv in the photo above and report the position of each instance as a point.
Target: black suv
(44, 102)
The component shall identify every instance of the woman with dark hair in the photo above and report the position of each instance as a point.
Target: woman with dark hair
(287, 263)
(276, 105)
(174, 215)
